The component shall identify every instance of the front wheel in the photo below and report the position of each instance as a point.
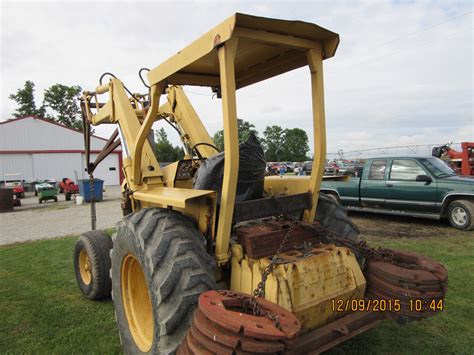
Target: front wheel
(92, 264)
(159, 268)
(461, 214)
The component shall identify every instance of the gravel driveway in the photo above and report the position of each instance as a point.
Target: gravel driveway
(33, 221)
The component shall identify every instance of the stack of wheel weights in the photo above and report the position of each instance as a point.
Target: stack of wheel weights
(222, 325)
(412, 277)
(263, 240)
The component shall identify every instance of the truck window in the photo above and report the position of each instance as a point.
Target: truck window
(377, 169)
(405, 170)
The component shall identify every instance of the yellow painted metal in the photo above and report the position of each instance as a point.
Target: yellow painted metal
(267, 47)
(141, 137)
(286, 185)
(293, 184)
(315, 62)
(85, 267)
(305, 284)
(182, 112)
(169, 174)
(238, 52)
(136, 303)
(231, 167)
(119, 110)
(169, 196)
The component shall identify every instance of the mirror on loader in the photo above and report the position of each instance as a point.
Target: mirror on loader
(273, 254)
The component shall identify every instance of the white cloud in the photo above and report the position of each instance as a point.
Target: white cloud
(403, 73)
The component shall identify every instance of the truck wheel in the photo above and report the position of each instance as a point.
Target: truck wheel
(461, 214)
(55, 198)
(159, 268)
(92, 264)
(333, 216)
(68, 196)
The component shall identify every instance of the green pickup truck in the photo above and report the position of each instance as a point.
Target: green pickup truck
(413, 186)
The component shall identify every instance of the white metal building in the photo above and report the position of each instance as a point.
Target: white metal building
(40, 149)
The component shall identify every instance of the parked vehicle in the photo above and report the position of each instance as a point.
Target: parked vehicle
(289, 166)
(307, 167)
(415, 186)
(47, 191)
(68, 187)
(37, 184)
(14, 181)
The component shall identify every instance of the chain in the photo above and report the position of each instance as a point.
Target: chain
(361, 246)
(93, 210)
(251, 302)
(260, 290)
(373, 254)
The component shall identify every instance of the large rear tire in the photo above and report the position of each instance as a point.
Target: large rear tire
(333, 216)
(92, 264)
(159, 268)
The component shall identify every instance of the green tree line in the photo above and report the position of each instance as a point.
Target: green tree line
(279, 144)
(59, 104)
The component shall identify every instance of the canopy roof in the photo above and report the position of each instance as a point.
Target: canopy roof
(266, 48)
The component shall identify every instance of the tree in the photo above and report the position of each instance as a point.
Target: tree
(219, 139)
(273, 143)
(26, 101)
(165, 152)
(295, 145)
(245, 128)
(62, 100)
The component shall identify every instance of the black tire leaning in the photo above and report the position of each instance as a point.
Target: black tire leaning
(176, 267)
(68, 196)
(333, 216)
(97, 245)
(468, 208)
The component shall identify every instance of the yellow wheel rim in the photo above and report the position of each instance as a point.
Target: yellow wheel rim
(136, 302)
(85, 267)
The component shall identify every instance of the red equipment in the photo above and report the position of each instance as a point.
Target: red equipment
(68, 187)
(462, 162)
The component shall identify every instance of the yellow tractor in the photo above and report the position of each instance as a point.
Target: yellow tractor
(213, 220)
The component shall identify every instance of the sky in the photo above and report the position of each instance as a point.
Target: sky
(402, 74)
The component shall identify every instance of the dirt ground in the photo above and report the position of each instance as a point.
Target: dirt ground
(373, 225)
(34, 221)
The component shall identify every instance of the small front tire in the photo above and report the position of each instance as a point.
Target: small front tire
(92, 264)
(461, 214)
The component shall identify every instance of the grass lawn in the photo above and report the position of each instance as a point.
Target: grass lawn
(42, 310)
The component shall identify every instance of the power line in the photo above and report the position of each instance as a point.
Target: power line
(424, 29)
